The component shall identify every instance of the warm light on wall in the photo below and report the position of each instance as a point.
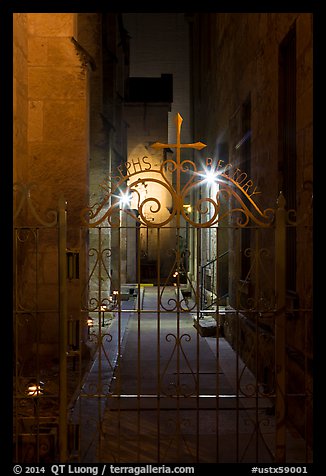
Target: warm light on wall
(34, 390)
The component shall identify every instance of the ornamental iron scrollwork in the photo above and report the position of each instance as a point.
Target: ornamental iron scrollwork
(179, 179)
(23, 200)
(177, 388)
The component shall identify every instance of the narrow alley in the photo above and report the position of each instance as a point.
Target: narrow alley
(162, 240)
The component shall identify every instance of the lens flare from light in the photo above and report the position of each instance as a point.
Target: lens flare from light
(125, 199)
(210, 176)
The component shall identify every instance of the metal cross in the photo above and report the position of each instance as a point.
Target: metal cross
(178, 145)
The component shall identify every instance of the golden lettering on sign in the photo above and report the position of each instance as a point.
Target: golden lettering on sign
(239, 178)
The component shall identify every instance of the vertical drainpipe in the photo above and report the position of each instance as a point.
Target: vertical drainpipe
(63, 330)
(280, 331)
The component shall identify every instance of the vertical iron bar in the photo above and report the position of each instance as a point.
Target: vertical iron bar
(119, 343)
(237, 333)
(178, 342)
(63, 330)
(217, 369)
(16, 301)
(139, 307)
(36, 399)
(200, 277)
(83, 238)
(138, 268)
(306, 387)
(256, 258)
(212, 276)
(307, 391)
(197, 343)
(158, 364)
(147, 243)
(100, 325)
(280, 294)
(139, 373)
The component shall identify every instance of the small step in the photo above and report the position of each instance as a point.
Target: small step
(206, 323)
(207, 327)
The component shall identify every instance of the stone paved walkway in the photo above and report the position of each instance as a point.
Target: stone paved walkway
(149, 423)
(167, 399)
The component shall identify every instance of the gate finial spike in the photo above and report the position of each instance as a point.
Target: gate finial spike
(281, 200)
(178, 119)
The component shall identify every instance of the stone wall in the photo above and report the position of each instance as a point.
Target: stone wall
(57, 111)
(241, 62)
(50, 150)
(20, 94)
(237, 58)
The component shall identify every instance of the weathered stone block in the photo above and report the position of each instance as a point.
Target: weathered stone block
(55, 83)
(37, 51)
(61, 52)
(35, 121)
(51, 24)
(65, 121)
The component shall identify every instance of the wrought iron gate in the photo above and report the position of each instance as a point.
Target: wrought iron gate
(143, 371)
